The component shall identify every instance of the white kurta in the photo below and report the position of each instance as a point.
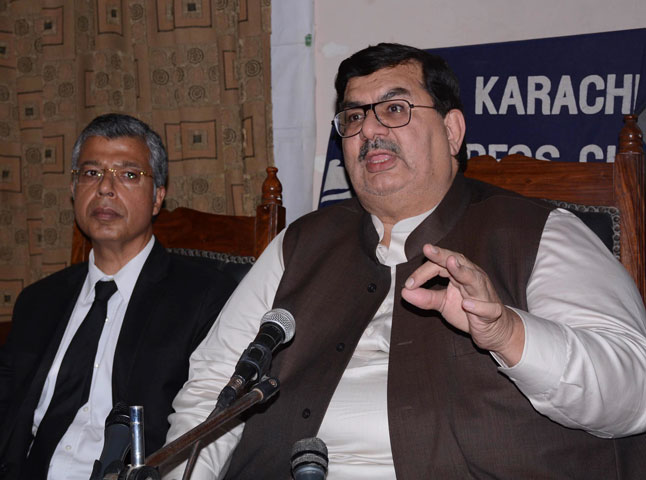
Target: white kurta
(583, 365)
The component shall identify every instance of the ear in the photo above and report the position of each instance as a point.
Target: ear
(455, 129)
(72, 190)
(160, 193)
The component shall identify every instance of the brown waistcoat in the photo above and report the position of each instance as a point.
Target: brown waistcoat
(451, 414)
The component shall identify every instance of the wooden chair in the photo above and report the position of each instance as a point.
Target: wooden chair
(235, 236)
(620, 184)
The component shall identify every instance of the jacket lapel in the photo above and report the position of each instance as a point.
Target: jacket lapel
(140, 313)
(442, 220)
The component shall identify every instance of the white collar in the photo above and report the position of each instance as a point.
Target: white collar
(126, 278)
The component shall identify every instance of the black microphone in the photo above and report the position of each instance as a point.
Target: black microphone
(116, 443)
(277, 327)
(309, 459)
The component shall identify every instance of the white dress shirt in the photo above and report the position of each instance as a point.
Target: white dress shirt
(82, 443)
(583, 365)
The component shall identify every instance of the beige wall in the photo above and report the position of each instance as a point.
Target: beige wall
(345, 26)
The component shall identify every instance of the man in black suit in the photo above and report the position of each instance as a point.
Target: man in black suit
(159, 307)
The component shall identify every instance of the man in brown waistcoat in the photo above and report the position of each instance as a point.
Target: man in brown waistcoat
(445, 328)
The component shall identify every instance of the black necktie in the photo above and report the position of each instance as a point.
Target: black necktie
(72, 387)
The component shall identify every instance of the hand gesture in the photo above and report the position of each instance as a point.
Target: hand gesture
(469, 302)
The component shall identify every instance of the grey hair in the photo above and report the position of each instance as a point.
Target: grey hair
(117, 125)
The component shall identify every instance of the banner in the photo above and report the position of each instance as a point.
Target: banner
(559, 99)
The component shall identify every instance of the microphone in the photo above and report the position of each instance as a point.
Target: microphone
(309, 459)
(137, 455)
(116, 443)
(276, 327)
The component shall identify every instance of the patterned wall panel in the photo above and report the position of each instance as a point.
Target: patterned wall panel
(53, 154)
(192, 14)
(229, 71)
(10, 174)
(110, 16)
(7, 49)
(9, 290)
(54, 28)
(30, 109)
(35, 235)
(52, 25)
(191, 140)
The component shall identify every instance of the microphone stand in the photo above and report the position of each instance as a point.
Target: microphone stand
(264, 390)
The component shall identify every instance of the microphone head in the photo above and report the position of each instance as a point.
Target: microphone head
(309, 451)
(282, 318)
(120, 414)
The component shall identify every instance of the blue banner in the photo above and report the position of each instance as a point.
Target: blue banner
(560, 99)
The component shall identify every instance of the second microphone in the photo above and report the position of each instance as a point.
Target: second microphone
(277, 327)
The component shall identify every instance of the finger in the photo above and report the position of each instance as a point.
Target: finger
(463, 274)
(435, 266)
(424, 273)
(485, 310)
(469, 278)
(424, 298)
(440, 256)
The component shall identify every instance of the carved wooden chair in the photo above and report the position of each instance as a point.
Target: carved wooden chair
(609, 197)
(233, 242)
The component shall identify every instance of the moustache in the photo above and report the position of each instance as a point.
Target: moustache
(378, 144)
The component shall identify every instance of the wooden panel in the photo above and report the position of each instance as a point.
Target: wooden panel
(187, 228)
(586, 183)
(629, 192)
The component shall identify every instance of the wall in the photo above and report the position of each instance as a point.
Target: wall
(345, 26)
(292, 95)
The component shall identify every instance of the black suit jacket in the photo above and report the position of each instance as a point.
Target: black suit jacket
(174, 303)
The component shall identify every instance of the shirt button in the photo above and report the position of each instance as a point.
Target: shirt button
(96, 365)
(306, 413)
(340, 347)
(372, 288)
(85, 409)
(68, 447)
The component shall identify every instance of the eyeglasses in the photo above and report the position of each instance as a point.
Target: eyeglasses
(91, 175)
(390, 113)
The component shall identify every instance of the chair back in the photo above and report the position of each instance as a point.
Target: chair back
(591, 190)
